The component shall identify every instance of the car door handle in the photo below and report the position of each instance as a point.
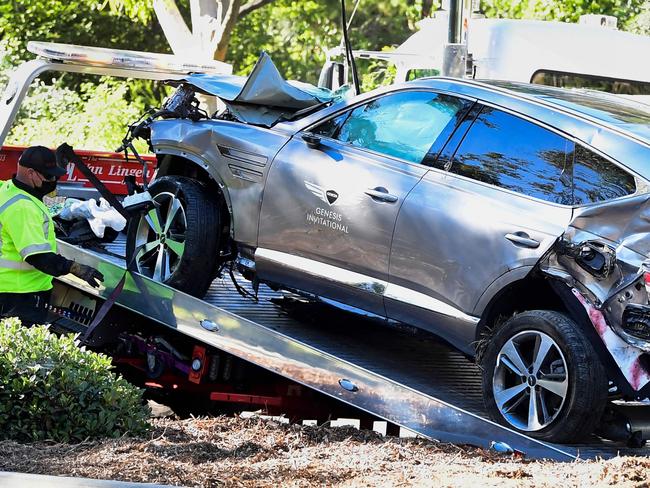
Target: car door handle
(522, 239)
(381, 194)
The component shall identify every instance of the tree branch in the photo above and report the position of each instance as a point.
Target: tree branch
(251, 6)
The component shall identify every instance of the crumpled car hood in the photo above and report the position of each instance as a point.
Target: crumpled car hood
(264, 97)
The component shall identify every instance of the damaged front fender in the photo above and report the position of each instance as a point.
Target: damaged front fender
(603, 258)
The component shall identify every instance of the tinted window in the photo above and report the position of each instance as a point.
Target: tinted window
(595, 179)
(509, 152)
(601, 83)
(402, 125)
(628, 114)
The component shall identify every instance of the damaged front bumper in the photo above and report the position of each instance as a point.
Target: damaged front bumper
(603, 259)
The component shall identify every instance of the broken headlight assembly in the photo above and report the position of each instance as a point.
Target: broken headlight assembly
(629, 309)
(636, 321)
(636, 317)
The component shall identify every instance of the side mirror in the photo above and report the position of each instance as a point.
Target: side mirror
(332, 75)
(312, 140)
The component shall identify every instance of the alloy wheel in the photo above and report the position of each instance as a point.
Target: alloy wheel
(530, 382)
(160, 238)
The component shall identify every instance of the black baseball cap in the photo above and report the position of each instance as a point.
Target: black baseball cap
(42, 160)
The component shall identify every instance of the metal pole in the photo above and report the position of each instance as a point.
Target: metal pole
(455, 21)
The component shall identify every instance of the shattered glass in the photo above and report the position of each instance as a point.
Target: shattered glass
(403, 125)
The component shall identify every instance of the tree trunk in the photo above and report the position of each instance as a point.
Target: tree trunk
(228, 23)
(212, 24)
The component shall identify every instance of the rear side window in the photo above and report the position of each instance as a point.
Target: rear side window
(595, 179)
(509, 152)
(601, 83)
(402, 125)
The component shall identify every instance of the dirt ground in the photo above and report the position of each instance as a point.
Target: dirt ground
(228, 451)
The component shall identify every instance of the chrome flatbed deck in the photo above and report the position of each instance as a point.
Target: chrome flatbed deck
(402, 376)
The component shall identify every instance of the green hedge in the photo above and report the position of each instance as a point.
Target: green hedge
(50, 389)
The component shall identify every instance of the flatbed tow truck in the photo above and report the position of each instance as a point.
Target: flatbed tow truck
(279, 351)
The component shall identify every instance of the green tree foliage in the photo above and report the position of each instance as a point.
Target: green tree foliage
(50, 389)
(563, 10)
(76, 22)
(92, 116)
(296, 33)
(640, 23)
(69, 108)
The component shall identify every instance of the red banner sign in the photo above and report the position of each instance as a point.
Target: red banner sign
(109, 167)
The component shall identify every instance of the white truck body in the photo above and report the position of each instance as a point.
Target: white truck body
(552, 53)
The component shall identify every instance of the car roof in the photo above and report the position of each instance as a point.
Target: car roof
(580, 114)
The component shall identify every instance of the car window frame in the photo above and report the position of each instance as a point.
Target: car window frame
(640, 183)
(350, 108)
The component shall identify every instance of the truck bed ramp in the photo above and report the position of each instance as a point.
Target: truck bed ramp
(414, 382)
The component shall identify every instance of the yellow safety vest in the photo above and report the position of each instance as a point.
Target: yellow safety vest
(26, 228)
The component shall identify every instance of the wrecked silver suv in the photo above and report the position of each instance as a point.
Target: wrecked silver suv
(511, 220)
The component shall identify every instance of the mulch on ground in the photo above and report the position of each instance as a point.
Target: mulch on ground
(227, 451)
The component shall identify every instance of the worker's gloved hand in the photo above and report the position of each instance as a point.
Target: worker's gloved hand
(87, 273)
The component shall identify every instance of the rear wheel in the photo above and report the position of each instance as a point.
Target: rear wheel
(541, 376)
(178, 242)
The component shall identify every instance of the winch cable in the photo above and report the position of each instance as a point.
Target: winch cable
(104, 309)
(65, 154)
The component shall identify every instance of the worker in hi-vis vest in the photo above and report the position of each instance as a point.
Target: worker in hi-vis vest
(28, 258)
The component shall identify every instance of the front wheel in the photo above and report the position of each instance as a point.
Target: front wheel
(541, 376)
(178, 241)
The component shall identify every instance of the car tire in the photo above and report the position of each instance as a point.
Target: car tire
(178, 242)
(568, 381)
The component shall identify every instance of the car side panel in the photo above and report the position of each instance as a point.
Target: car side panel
(340, 248)
(450, 245)
(237, 156)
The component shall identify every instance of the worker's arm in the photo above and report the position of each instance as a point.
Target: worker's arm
(50, 263)
(31, 241)
(56, 265)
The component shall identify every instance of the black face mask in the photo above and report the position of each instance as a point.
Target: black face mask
(46, 187)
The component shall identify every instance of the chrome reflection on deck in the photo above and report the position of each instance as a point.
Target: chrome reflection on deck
(300, 362)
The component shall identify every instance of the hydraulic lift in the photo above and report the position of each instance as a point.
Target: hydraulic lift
(286, 351)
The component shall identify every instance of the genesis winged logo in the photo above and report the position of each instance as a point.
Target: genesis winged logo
(327, 196)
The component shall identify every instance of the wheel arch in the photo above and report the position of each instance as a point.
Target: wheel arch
(179, 162)
(539, 292)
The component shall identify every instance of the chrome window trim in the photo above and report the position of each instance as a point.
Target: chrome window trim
(365, 283)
